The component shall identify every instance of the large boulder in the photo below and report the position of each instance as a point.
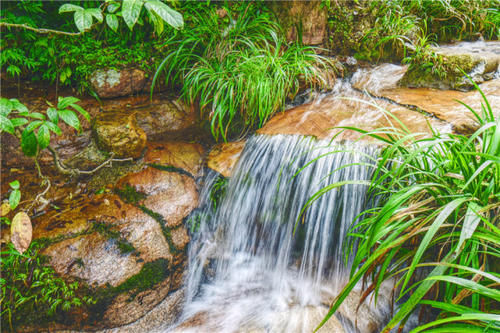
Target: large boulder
(479, 60)
(118, 132)
(127, 258)
(153, 189)
(325, 118)
(382, 81)
(109, 83)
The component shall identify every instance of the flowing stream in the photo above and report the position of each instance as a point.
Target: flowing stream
(248, 270)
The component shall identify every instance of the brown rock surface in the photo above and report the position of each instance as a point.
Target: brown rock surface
(186, 156)
(308, 15)
(320, 118)
(100, 260)
(118, 132)
(170, 194)
(109, 83)
(223, 157)
(383, 80)
(444, 105)
(164, 116)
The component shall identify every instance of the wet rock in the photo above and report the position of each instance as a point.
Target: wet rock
(183, 155)
(116, 249)
(118, 132)
(480, 60)
(324, 118)
(308, 15)
(382, 81)
(170, 194)
(223, 157)
(109, 83)
(164, 116)
(103, 233)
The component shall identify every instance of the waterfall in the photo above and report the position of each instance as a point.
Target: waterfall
(254, 260)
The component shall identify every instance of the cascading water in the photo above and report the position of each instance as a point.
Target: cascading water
(248, 270)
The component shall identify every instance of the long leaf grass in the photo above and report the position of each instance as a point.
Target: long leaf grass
(435, 231)
(239, 70)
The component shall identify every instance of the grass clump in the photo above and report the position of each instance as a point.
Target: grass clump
(31, 291)
(236, 65)
(435, 231)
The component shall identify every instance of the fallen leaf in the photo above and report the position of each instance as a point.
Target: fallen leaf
(21, 231)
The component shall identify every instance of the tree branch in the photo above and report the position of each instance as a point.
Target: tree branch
(76, 172)
(40, 31)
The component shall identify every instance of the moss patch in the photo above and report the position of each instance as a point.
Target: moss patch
(170, 168)
(150, 275)
(165, 230)
(123, 245)
(130, 194)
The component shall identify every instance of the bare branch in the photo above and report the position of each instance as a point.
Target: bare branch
(39, 30)
(76, 172)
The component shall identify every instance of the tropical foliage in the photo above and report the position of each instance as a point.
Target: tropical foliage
(34, 128)
(29, 286)
(435, 232)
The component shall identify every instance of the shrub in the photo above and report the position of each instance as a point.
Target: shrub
(29, 286)
(436, 229)
(237, 66)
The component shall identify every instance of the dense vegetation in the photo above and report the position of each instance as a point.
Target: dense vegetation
(436, 230)
(434, 233)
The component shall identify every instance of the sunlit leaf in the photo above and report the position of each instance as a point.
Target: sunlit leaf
(131, 9)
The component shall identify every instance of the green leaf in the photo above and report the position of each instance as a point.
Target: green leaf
(82, 111)
(6, 125)
(14, 199)
(43, 136)
(67, 7)
(70, 118)
(5, 107)
(131, 9)
(83, 20)
(52, 114)
(36, 115)
(470, 224)
(112, 21)
(33, 125)
(14, 185)
(19, 121)
(53, 127)
(29, 143)
(64, 102)
(16, 105)
(95, 12)
(113, 7)
(169, 15)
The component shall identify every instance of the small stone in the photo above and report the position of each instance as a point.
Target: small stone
(117, 132)
(224, 157)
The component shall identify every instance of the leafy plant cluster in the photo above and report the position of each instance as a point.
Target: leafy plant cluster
(29, 286)
(375, 30)
(235, 63)
(435, 232)
(102, 40)
(33, 129)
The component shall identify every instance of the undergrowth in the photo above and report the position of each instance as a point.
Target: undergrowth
(435, 231)
(235, 63)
